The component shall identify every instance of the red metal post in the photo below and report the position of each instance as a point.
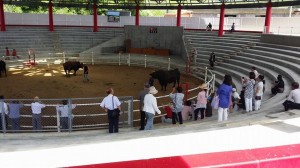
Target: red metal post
(221, 24)
(178, 16)
(137, 15)
(2, 18)
(268, 17)
(95, 13)
(50, 8)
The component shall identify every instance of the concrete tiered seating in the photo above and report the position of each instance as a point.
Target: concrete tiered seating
(63, 39)
(269, 59)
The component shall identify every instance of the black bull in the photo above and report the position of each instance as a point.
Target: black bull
(166, 77)
(2, 67)
(72, 65)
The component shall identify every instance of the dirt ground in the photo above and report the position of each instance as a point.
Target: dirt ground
(49, 82)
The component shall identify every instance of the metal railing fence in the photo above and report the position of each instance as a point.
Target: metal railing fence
(83, 113)
(87, 114)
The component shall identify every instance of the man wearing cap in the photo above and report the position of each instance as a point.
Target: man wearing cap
(177, 99)
(150, 107)
(36, 108)
(141, 99)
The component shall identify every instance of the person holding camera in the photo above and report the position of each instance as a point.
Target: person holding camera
(249, 90)
(111, 104)
(259, 87)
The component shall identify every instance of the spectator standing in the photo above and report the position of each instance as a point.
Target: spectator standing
(14, 52)
(65, 114)
(212, 60)
(209, 27)
(7, 51)
(232, 28)
(201, 101)
(36, 108)
(278, 85)
(259, 87)
(187, 110)
(141, 99)
(150, 107)
(3, 112)
(249, 85)
(253, 69)
(177, 99)
(111, 103)
(224, 93)
(85, 73)
(293, 99)
(14, 114)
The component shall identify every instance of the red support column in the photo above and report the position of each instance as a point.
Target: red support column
(50, 6)
(137, 15)
(2, 18)
(178, 16)
(95, 13)
(268, 17)
(221, 24)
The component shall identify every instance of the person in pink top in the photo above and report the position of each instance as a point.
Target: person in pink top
(187, 110)
(201, 101)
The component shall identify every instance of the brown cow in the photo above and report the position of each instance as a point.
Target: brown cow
(72, 65)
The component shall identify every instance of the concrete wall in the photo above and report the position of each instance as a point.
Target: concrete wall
(281, 39)
(109, 46)
(167, 37)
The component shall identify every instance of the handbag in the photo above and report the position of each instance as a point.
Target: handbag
(115, 112)
(257, 97)
(215, 102)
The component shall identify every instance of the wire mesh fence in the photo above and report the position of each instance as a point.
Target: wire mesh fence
(57, 115)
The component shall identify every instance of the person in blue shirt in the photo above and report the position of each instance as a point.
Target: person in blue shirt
(14, 114)
(224, 93)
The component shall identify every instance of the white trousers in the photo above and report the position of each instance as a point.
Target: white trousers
(257, 104)
(222, 114)
(248, 104)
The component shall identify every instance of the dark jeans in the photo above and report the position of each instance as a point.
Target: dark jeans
(290, 105)
(202, 110)
(36, 121)
(143, 119)
(15, 124)
(64, 122)
(113, 123)
(176, 117)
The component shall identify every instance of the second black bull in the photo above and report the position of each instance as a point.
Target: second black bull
(165, 77)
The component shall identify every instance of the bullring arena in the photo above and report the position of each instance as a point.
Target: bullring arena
(122, 55)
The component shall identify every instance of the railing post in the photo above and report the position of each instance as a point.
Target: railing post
(128, 60)
(70, 115)
(2, 116)
(145, 61)
(169, 63)
(214, 82)
(119, 58)
(130, 112)
(92, 57)
(64, 56)
(58, 121)
(205, 77)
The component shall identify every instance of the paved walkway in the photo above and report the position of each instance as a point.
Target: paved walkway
(190, 139)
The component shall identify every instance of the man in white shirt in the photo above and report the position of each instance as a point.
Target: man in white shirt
(293, 100)
(65, 114)
(36, 108)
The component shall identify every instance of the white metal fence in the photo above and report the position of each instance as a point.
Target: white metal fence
(88, 114)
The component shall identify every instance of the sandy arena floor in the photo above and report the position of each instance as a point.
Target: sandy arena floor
(50, 82)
